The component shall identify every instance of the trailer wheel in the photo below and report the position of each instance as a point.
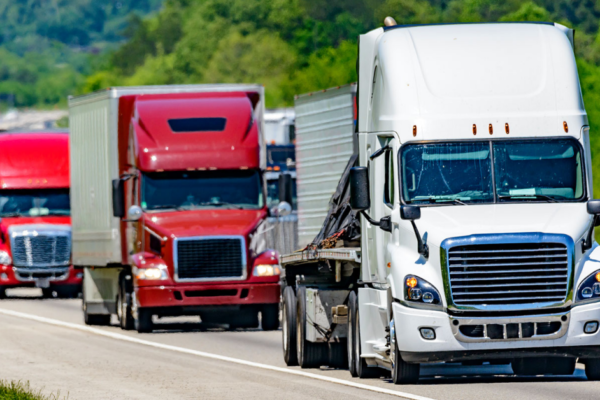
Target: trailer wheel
(270, 317)
(124, 304)
(310, 355)
(288, 327)
(143, 322)
(592, 369)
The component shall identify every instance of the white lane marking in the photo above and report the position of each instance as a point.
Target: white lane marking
(126, 338)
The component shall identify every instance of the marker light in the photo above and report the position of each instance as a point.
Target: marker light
(266, 270)
(152, 274)
(598, 276)
(411, 282)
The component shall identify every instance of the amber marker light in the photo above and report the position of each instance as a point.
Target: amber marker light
(414, 130)
(411, 282)
(390, 266)
(506, 128)
(598, 276)
(474, 129)
(565, 127)
(491, 128)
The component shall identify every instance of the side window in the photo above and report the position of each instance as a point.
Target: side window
(390, 180)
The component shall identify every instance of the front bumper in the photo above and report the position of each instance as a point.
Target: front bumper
(11, 276)
(207, 295)
(448, 344)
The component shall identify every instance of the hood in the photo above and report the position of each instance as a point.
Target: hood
(204, 222)
(440, 223)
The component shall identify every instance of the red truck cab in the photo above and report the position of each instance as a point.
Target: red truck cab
(188, 205)
(35, 222)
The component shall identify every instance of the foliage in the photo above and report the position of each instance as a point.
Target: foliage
(47, 47)
(22, 391)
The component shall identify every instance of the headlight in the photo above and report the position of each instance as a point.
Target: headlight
(589, 289)
(420, 291)
(266, 270)
(5, 258)
(152, 274)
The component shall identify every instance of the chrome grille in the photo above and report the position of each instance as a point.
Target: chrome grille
(210, 258)
(41, 250)
(513, 273)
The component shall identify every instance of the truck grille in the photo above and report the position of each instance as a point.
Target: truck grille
(42, 250)
(210, 258)
(502, 274)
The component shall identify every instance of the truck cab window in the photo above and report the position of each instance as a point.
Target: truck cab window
(185, 190)
(34, 202)
(388, 194)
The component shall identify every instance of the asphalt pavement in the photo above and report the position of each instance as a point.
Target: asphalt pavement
(45, 342)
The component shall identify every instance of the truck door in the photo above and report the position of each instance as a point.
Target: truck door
(382, 200)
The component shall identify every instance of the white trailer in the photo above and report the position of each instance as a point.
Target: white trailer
(474, 190)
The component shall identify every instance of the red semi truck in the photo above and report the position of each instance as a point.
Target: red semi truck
(169, 205)
(35, 222)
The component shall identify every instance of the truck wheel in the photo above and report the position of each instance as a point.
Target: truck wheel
(351, 343)
(143, 322)
(338, 355)
(124, 306)
(2, 292)
(403, 372)
(310, 355)
(270, 317)
(288, 327)
(592, 369)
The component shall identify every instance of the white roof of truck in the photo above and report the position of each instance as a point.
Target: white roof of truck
(446, 78)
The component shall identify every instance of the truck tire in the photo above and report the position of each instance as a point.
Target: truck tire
(2, 292)
(592, 369)
(310, 355)
(270, 317)
(338, 355)
(361, 368)
(351, 343)
(288, 327)
(143, 322)
(124, 305)
(402, 372)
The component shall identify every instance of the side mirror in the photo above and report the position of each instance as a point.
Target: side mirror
(118, 198)
(285, 188)
(593, 207)
(410, 213)
(134, 213)
(284, 208)
(359, 189)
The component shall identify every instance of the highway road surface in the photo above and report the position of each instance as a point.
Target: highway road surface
(46, 343)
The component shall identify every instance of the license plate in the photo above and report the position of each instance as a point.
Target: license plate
(42, 283)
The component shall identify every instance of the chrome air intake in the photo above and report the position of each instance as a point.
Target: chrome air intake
(40, 245)
(508, 271)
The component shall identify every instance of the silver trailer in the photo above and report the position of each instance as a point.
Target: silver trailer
(325, 132)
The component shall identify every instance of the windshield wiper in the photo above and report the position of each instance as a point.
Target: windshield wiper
(165, 207)
(529, 197)
(434, 199)
(221, 203)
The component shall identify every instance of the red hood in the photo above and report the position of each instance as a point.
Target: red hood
(204, 222)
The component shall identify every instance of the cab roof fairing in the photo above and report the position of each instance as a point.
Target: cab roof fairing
(157, 147)
(446, 78)
(37, 160)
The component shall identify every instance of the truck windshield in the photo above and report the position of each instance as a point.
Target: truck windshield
(202, 189)
(546, 170)
(34, 202)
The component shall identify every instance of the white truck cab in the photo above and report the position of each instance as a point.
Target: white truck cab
(474, 188)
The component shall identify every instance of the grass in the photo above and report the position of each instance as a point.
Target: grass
(22, 391)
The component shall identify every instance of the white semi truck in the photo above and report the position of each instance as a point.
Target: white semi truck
(462, 231)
